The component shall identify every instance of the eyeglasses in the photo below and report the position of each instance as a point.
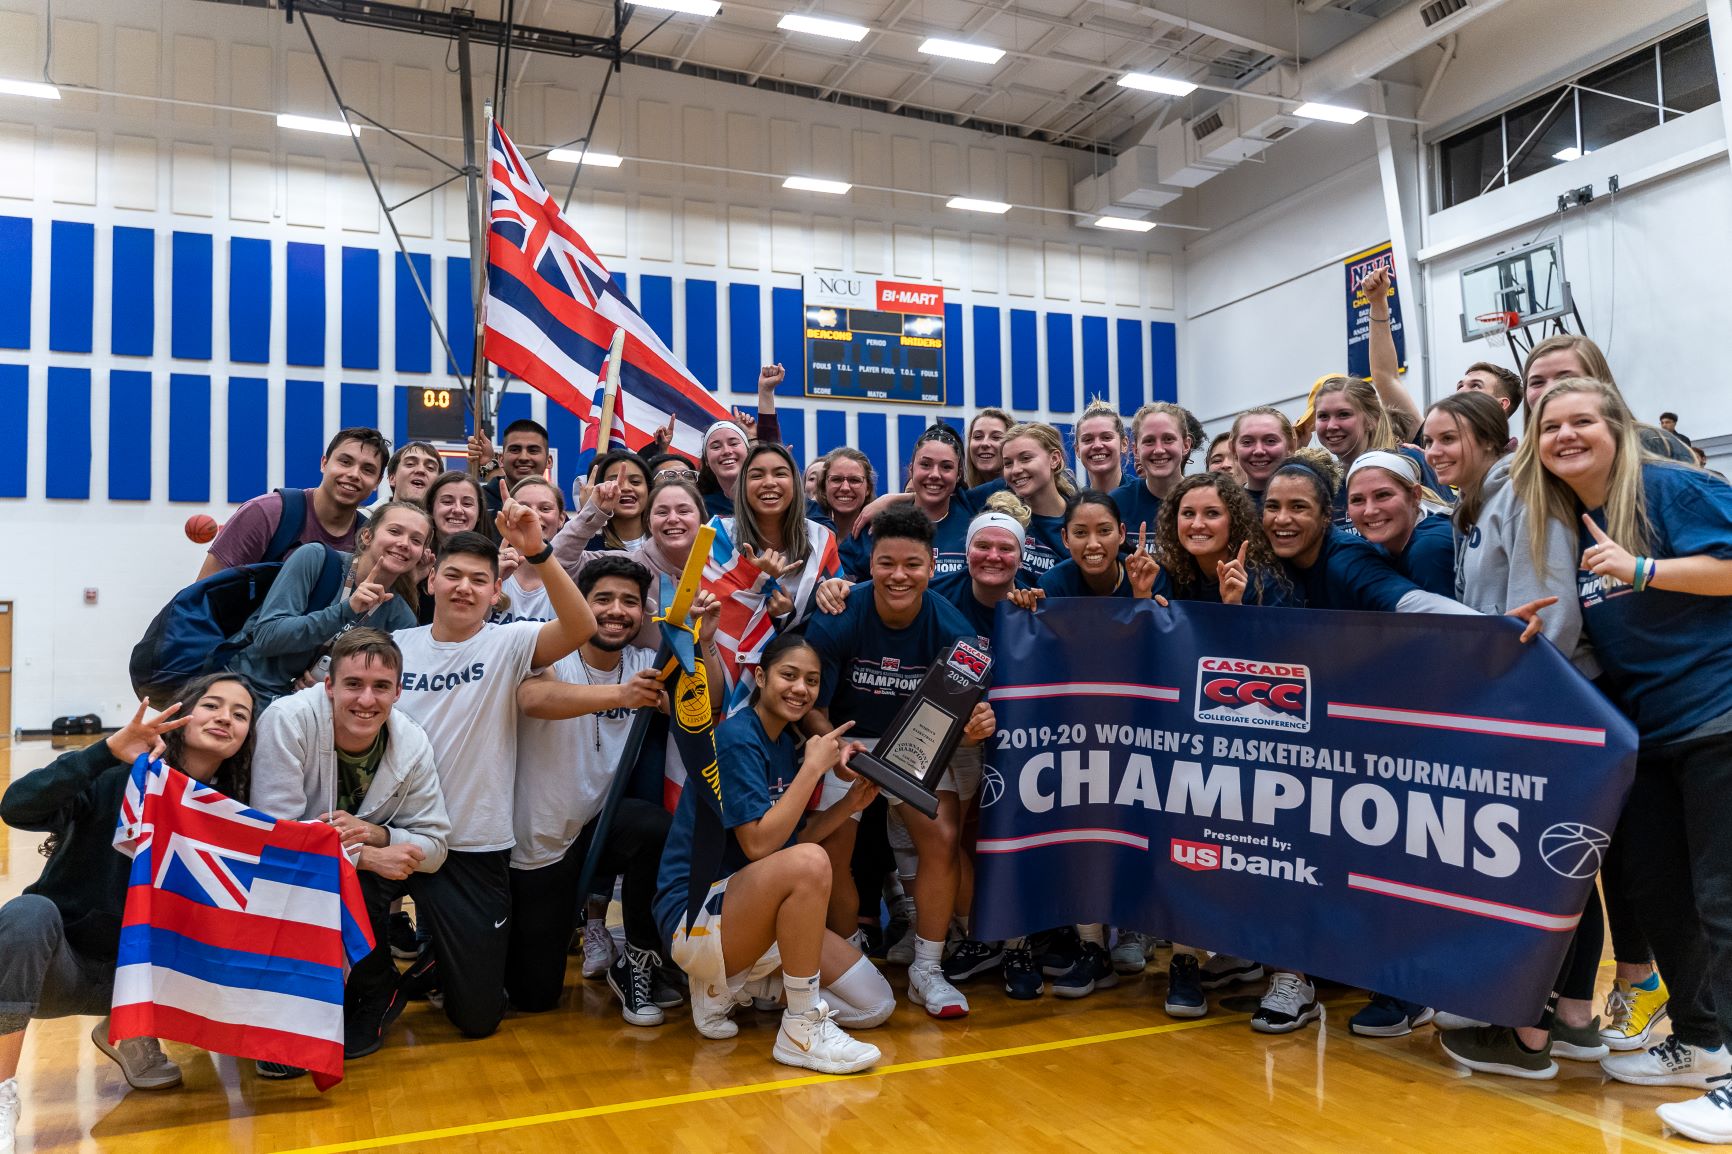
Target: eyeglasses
(677, 474)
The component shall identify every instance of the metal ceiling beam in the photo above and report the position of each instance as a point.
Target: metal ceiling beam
(451, 24)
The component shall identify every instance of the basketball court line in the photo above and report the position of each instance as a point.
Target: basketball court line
(751, 1088)
(1487, 1083)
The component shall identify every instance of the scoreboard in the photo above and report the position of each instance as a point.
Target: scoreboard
(874, 340)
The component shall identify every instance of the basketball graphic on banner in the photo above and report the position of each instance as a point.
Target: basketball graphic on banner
(991, 786)
(1574, 850)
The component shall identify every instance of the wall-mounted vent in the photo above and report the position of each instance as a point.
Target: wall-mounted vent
(1206, 125)
(1441, 10)
(1277, 133)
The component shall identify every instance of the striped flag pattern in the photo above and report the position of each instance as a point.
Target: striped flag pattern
(239, 928)
(552, 308)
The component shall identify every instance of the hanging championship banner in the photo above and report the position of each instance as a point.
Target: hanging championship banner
(874, 340)
(1359, 266)
(1407, 803)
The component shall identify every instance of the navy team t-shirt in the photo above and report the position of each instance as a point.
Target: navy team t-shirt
(1137, 507)
(1349, 573)
(1066, 579)
(1044, 547)
(958, 589)
(1667, 657)
(870, 668)
(1429, 559)
(754, 773)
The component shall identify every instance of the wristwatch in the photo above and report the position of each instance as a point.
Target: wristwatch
(546, 552)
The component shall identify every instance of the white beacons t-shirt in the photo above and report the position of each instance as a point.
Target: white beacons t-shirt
(464, 694)
(562, 778)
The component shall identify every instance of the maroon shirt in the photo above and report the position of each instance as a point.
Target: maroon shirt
(244, 538)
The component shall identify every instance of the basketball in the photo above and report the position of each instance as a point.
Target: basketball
(201, 528)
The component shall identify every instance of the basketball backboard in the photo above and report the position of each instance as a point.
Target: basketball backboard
(1528, 281)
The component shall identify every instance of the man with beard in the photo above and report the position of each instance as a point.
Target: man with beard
(570, 743)
(523, 453)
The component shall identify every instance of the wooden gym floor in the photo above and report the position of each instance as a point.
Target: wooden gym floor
(1107, 1072)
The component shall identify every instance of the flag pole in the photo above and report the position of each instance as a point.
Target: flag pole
(483, 407)
(671, 668)
(615, 357)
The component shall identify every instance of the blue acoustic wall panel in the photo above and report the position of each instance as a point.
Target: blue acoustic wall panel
(303, 432)
(360, 305)
(69, 420)
(248, 436)
(305, 292)
(189, 437)
(701, 348)
(873, 439)
(1130, 338)
(129, 418)
(190, 295)
(250, 300)
(745, 337)
(71, 285)
(1097, 382)
(1060, 363)
(414, 327)
(1024, 360)
(988, 359)
(132, 293)
(15, 255)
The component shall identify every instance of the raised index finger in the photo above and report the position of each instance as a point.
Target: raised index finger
(1243, 545)
(1143, 537)
(1598, 533)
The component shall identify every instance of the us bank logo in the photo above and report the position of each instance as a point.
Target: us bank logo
(1257, 694)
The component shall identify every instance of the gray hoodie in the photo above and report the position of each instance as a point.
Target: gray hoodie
(1494, 572)
(295, 774)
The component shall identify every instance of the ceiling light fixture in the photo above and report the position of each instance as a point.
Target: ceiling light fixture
(1334, 113)
(817, 26)
(1568, 154)
(1124, 224)
(1164, 85)
(584, 156)
(29, 88)
(958, 50)
(689, 7)
(813, 184)
(315, 124)
(969, 204)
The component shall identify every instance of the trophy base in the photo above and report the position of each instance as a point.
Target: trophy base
(892, 780)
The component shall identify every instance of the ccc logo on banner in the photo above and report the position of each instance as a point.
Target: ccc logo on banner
(1260, 694)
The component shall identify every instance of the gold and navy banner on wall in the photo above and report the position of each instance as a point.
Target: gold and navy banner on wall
(231, 340)
(1359, 266)
(1282, 785)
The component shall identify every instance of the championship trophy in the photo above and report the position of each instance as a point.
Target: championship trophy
(911, 755)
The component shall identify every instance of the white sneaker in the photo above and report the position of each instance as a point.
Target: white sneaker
(1673, 1062)
(1289, 1003)
(1705, 1119)
(928, 988)
(599, 951)
(1444, 1020)
(813, 1041)
(713, 1010)
(10, 1108)
(141, 1060)
(1131, 952)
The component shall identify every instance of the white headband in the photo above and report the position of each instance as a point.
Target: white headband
(1400, 464)
(996, 520)
(734, 425)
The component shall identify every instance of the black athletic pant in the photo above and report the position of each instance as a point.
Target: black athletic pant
(466, 907)
(545, 901)
(1677, 829)
(1629, 944)
(873, 858)
(1581, 967)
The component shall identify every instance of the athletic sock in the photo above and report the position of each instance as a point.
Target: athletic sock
(1093, 932)
(1649, 983)
(929, 954)
(802, 993)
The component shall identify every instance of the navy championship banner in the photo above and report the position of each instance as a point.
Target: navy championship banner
(1359, 266)
(1416, 804)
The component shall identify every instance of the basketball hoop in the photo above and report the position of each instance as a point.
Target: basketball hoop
(1495, 327)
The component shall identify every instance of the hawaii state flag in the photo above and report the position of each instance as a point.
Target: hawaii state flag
(239, 928)
(552, 308)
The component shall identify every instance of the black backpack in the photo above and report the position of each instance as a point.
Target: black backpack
(196, 632)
